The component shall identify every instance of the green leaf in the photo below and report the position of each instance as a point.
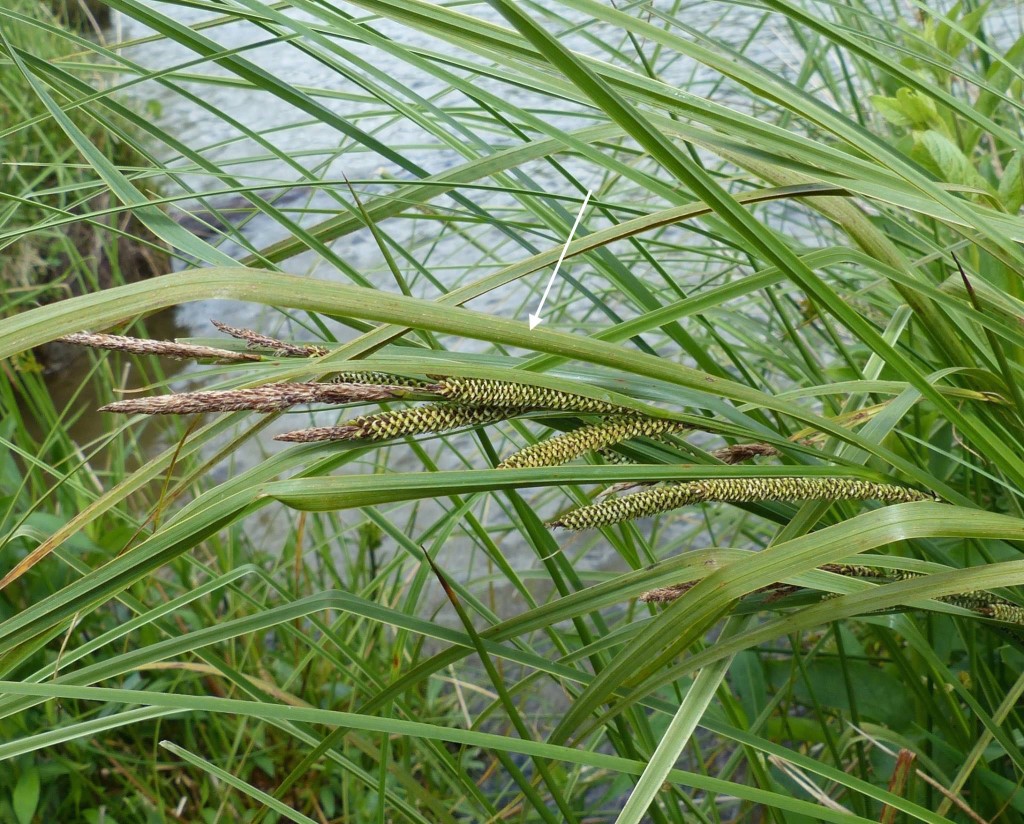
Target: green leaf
(953, 37)
(918, 107)
(677, 736)
(909, 109)
(892, 110)
(408, 729)
(25, 798)
(154, 219)
(937, 32)
(1011, 185)
(98, 817)
(878, 693)
(947, 161)
(237, 783)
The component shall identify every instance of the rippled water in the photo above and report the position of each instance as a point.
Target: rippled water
(217, 131)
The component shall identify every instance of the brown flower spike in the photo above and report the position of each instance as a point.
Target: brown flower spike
(164, 348)
(278, 347)
(269, 398)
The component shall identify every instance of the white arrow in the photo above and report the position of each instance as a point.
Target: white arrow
(535, 318)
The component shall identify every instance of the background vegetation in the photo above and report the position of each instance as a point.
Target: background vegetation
(200, 625)
(88, 245)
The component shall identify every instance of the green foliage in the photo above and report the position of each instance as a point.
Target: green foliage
(43, 179)
(909, 109)
(946, 160)
(1011, 185)
(25, 799)
(198, 623)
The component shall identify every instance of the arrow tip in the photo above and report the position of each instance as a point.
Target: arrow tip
(535, 320)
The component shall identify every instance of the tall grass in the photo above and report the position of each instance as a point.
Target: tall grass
(358, 631)
(62, 238)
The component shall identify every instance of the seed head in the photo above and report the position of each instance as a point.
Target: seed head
(979, 601)
(733, 490)
(729, 454)
(269, 398)
(432, 417)
(570, 445)
(478, 392)
(164, 348)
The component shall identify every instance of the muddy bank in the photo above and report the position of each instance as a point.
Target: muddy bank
(71, 241)
(82, 14)
(92, 254)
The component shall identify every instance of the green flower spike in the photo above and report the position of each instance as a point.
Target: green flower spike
(980, 602)
(570, 445)
(478, 392)
(431, 417)
(379, 379)
(733, 490)
(1005, 612)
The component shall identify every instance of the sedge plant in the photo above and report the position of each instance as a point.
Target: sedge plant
(788, 322)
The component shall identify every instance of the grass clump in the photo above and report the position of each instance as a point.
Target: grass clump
(376, 624)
